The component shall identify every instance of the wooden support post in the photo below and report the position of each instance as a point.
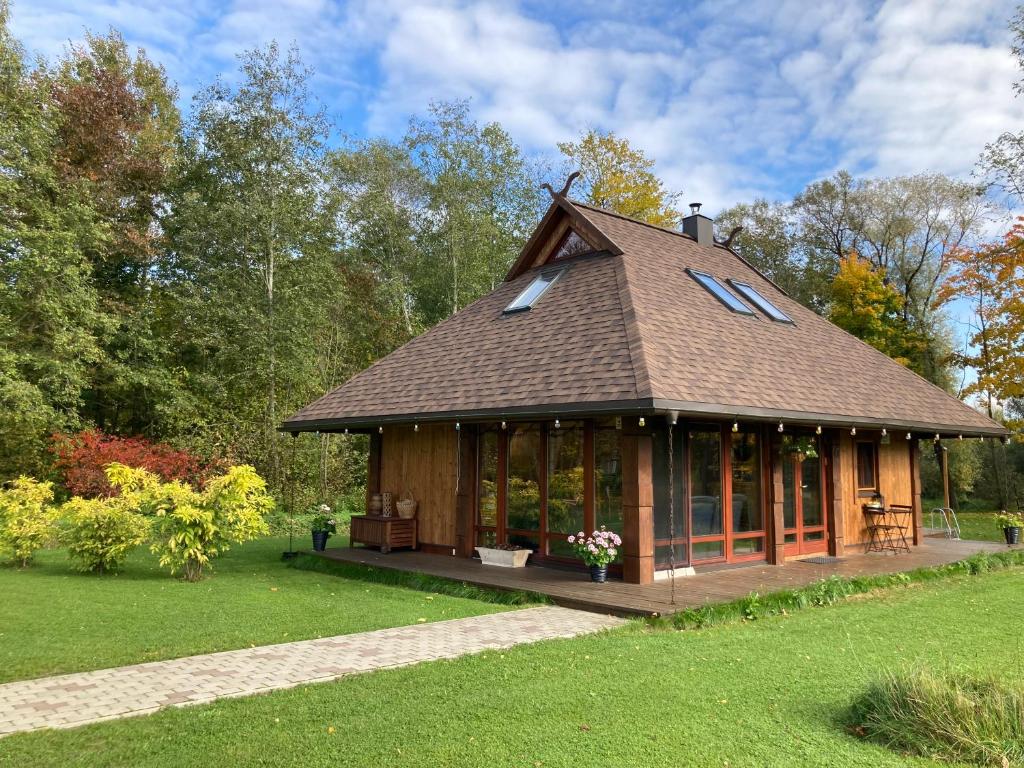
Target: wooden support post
(373, 467)
(637, 507)
(915, 490)
(465, 499)
(777, 556)
(837, 510)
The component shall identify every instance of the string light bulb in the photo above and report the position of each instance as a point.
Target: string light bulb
(853, 431)
(504, 425)
(884, 432)
(558, 424)
(959, 437)
(380, 430)
(346, 430)
(908, 435)
(817, 430)
(937, 438)
(642, 422)
(415, 427)
(735, 426)
(458, 427)
(781, 428)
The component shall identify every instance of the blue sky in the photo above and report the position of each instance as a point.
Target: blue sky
(734, 100)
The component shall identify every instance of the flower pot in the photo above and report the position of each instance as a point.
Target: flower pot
(320, 540)
(599, 573)
(504, 558)
(1012, 535)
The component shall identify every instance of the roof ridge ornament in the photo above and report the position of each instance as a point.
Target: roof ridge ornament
(565, 188)
(732, 236)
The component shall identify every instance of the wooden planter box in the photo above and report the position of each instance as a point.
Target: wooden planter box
(504, 558)
(384, 532)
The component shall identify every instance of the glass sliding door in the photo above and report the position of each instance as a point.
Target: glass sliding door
(747, 507)
(523, 486)
(607, 477)
(565, 484)
(487, 492)
(677, 542)
(707, 524)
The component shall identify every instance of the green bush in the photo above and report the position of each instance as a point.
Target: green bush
(26, 518)
(949, 717)
(192, 527)
(99, 533)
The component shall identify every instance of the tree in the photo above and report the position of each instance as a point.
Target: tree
(482, 199)
(50, 313)
(864, 305)
(26, 518)
(253, 245)
(1002, 160)
(616, 176)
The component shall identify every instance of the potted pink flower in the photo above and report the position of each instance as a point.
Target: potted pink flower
(597, 550)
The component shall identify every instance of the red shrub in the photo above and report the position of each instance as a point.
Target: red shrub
(80, 460)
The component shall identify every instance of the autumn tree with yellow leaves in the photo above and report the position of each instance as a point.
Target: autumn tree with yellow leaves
(616, 176)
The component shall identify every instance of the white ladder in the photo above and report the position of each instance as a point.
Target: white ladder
(949, 521)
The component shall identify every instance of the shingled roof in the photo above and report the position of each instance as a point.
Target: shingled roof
(626, 329)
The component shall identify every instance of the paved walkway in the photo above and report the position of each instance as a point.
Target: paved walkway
(71, 700)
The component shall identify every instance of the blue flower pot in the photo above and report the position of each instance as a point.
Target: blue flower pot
(599, 573)
(320, 540)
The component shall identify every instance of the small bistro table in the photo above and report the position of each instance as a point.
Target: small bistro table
(887, 532)
(383, 532)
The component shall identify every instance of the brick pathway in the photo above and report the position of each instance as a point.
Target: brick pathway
(86, 697)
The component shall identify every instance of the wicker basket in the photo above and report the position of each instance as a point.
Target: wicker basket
(406, 506)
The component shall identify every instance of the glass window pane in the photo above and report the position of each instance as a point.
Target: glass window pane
(706, 482)
(790, 538)
(565, 478)
(572, 245)
(608, 479)
(720, 292)
(560, 548)
(866, 466)
(525, 541)
(661, 473)
(747, 509)
(742, 547)
(523, 507)
(788, 484)
(486, 538)
(533, 291)
(810, 472)
(661, 554)
(756, 298)
(705, 550)
(814, 536)
(488, 512)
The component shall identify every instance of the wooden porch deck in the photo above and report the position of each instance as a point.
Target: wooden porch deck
(574, 590)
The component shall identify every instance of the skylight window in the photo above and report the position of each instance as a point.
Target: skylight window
(532, 293)
(758, 300)
(720, 292)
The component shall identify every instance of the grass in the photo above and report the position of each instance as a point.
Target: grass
(419, 581)
(775, 691)
(977, 519)
(948, 716)
(53, 620)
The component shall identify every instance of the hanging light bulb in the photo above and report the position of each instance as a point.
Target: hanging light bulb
(981, 438)
(735, 426)
(959, 437)
(618, 422)
(558, 424)
(908, 435)
(884, 432)
(853, 431)
(817, 430)
(380, 430)
(781, 428)
(504, 425)
(642, 422)
(937, 438)
(346, 430)
(458, 426)
(415, 427)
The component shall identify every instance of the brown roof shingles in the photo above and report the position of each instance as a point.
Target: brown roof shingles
(637, 329)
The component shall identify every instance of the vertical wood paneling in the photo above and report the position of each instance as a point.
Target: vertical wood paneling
(637, 507)
(424, 464)
(894, 481)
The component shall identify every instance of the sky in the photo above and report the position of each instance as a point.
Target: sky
(733, 100)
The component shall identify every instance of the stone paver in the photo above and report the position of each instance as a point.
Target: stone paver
(85, 697)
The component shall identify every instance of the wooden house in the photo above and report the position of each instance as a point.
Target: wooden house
(651, 381)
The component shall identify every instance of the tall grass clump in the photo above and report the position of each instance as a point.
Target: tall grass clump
(950, 716)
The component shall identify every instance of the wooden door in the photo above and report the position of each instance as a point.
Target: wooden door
(805, 518)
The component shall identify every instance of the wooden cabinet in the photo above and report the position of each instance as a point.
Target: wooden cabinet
(383, 532)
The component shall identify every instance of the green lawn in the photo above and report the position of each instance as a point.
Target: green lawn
(767, 693)
(977, 520)
(55, 620)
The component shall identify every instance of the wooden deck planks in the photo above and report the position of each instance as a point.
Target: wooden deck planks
(573, 588)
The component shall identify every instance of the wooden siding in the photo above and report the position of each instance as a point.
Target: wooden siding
(424, 464)
(894, 479)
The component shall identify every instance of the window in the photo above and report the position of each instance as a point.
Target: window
(532, 293)
(566, 486)
(867, 467)
(572, 245)
(757, 299)
(607, 477)
(706, 493)
(720, 292)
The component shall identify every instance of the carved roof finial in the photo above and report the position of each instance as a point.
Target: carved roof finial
(565, 189)
(732, 235)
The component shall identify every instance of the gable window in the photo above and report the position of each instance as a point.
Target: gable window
(867, 467)
(532, 293)
(720, 292)
(572, 245)
(755, 297)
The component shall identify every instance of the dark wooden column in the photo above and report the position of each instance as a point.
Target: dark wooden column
(373, 467)
(637, 505)
(837, 510)
(465, 499)
(915, 490)
(776, 520)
